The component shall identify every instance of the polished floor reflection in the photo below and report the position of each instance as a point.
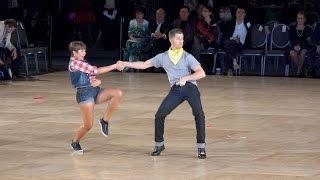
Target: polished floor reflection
(257, 128)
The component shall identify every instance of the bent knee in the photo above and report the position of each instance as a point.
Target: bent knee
(160, 115)
(199, 114)
(119, 93)
(293, 54)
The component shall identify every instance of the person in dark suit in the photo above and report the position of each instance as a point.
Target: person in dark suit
(159, 29)
(237, 41)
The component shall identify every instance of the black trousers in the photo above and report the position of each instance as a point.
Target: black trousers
(5, 56)
(176, 96)
(232, 49)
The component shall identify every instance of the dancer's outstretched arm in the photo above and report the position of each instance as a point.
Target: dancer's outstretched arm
(136, 65)
(109, 68)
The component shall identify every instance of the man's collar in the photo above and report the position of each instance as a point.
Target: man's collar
(159, 22)
(239, 22)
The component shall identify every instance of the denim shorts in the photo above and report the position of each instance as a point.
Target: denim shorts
(87, 94)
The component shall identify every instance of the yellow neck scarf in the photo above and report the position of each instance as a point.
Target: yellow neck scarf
(175, 55)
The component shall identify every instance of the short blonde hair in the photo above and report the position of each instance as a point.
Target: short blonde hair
(175, 31)
(76, 46)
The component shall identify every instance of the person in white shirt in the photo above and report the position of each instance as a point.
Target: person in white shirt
(234, 45)
(240, 32)
(7, 49)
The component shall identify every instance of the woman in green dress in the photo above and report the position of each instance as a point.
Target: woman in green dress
(139, 35)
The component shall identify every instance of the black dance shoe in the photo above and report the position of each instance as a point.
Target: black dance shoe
(157, 150)
(202, 153)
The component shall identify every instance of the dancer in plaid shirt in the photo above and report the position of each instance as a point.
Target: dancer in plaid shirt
(83, 79)
(83, 66)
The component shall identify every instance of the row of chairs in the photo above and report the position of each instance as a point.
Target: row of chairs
(279, 41)
(263, 46)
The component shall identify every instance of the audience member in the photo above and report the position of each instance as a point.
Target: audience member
(199, 11)
(7, 49)
(234, 45)
(206, 32)
(225, 23)
(299, 36)
(138, 33)
(188, 27)
(159, 29)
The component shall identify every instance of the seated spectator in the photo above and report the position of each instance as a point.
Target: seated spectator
(199, 11)
(7, 49)
(299, 36)
(188, 27)
(138, 33)
(206, 32)
(159, 29)
(225, 23)
(234, 45)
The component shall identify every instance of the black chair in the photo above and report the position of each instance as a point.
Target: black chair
(258, 40)
(21, 40)
(278, 46)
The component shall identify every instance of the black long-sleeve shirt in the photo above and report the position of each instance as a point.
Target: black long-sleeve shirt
(300, 37)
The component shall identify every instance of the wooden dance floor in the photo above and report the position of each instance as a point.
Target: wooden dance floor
(257, 128)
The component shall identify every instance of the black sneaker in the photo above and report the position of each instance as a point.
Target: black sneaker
(157, 150)
(202, 153)
(75, 146)
(104, 127)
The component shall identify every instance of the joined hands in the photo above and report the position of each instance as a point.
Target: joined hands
(120, 65)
